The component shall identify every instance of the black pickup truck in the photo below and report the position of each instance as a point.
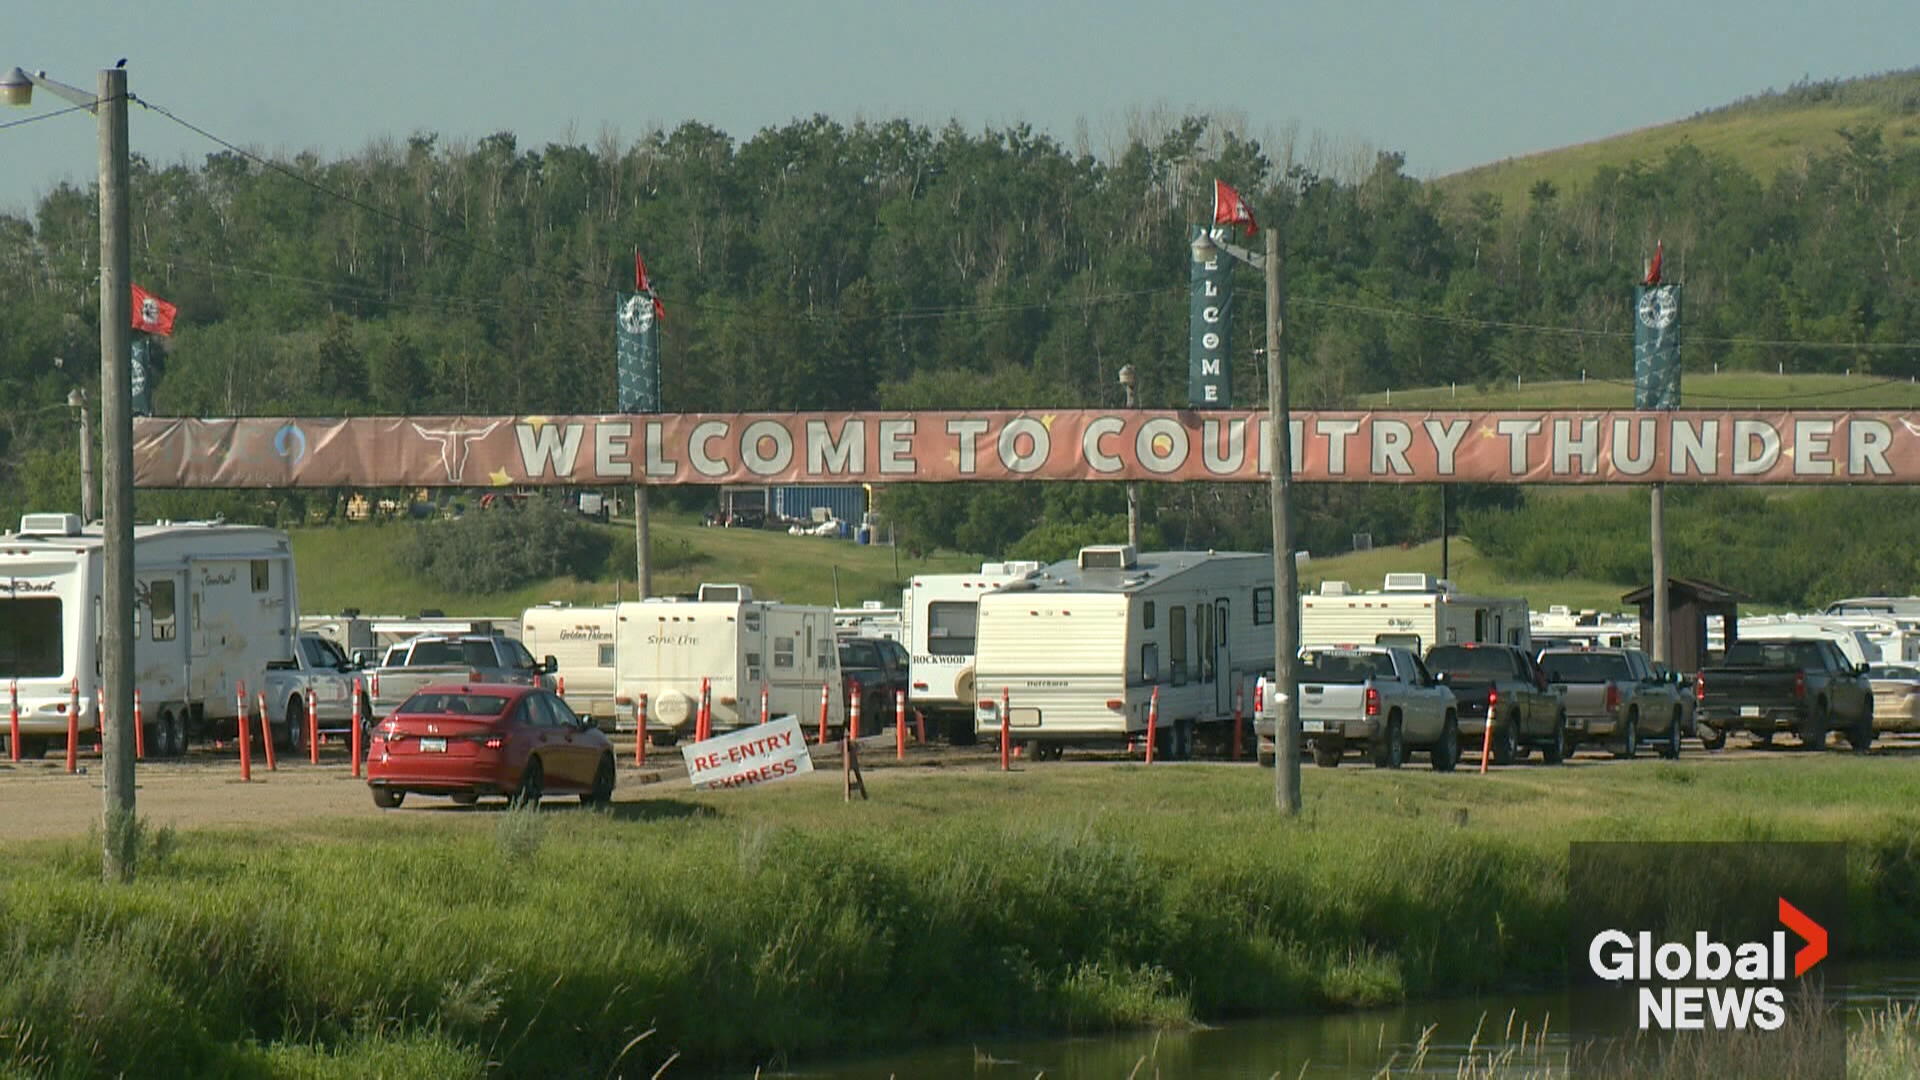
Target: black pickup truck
(1503, 683)
(1804, 686)
(878, 666)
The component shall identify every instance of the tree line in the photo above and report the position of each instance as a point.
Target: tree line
(827, 265)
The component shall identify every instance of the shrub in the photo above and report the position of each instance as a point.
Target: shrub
(503, 548)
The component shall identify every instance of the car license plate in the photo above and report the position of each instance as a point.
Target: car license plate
(433, 746)
(1313, 727)
(1749, 710)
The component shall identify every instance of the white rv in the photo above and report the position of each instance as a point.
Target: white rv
(1850, 640)
(871, 619)
(941, 612)
(582, 640)
(1415, 611)
(214, 605)
(664, 647)
(1080, 647)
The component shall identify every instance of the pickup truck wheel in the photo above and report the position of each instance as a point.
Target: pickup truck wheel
(1670, 748)
(1390, 750)
(387, 798)
(1446, 753)
(1860, 736)
(1555, 750)
(1629, 747)
(1327, 754)
(1506, 740)
(1711, 738)
(1813, 726)
(296, 725)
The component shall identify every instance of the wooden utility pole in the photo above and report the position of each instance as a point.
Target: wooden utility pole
(1286, 599)
(116, 419)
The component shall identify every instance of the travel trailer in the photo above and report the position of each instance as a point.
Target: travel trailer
(871, 619)
(664, 647)
(582, 640)
(941, 612)
(214, 605)
(1079, 648)
(1411, 610)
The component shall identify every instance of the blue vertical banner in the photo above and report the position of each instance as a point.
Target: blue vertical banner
(1656, 347)
(1209, 321)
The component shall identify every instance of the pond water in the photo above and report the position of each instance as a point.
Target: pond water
(1427, 1039)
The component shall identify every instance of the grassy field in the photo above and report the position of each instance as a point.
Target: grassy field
(1762, 140)
(700, 931)
(1469, 571)
(354, 566)
(1727, 390)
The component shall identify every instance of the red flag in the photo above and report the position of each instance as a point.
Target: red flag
(1230, 209)
(1653, 268)
(152, 314)
(643, 285)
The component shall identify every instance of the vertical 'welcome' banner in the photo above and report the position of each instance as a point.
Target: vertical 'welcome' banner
(1210, 311)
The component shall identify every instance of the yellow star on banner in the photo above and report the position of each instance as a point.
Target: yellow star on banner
(499, 478)
(535, 422)
(1047, 421)
(953, 458)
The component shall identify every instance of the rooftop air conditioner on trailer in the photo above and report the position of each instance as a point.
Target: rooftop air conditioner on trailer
(1409, 583)
(1335, 588)
(50, 524)
(1109, 557)
(726, 594)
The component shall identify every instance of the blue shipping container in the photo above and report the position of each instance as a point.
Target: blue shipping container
(795, 502)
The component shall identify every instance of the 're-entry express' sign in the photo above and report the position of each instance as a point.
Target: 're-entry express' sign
(1513, 447)
(775, 750)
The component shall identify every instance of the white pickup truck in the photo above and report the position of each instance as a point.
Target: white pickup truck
(1377, 696)
(318, 665)
(464, 658)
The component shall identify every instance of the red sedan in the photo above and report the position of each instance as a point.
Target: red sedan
(466, 741)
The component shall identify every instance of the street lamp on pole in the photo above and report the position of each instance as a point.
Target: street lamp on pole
(1133, 490)
(1286, 572)
(116, 435)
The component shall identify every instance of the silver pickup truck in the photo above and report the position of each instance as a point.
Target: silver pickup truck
(1612, 697)
(464, 658)
(1377, 697)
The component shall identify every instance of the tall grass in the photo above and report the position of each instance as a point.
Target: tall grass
(782, 925)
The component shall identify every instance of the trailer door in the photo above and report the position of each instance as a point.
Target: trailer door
(1225, 681)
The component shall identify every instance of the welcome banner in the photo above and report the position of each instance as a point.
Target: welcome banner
(1508, 447)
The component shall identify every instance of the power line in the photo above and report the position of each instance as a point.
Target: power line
(37, 117)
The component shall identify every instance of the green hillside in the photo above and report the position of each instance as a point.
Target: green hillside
(1764, 134)
(355, 566)
(1467, 568)
(1731, 390)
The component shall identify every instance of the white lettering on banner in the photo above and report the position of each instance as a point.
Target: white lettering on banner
(1746, 433)
(825, 457)
(1446, 442)
(1147, 445)
(1517, 433)
(1100, 428)
(757, 755)
(548, 449)
(1867, 443)
(704, 433)
(610, 449)
(1210, 367)
(758, 434)
(658, 463)
(966, 434)
(896, 448)
(1569, 448)
(1698, 446)
(1038, 449)
(1336, 432)
(1633, 455)
(1210, 456)
(1811, 448)
(1390, 441)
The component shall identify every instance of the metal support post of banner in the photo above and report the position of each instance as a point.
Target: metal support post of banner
(1657, 529)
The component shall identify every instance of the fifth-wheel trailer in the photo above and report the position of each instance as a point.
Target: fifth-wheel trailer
(1080, 647)
(214, 605)
(1414, 611)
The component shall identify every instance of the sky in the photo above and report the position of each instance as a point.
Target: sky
(1449, 83)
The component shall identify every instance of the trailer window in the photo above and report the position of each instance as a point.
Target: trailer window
(783, 652)
(160, 609)
(753, 667)
(1150, 663)
(606, 656)
(1263, 606)
(30, 637)
(258, 568)
(1177, 643)
(952, 626)
(1146, 615)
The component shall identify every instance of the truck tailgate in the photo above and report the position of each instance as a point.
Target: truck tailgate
(1332, 701)
(1729, 687)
